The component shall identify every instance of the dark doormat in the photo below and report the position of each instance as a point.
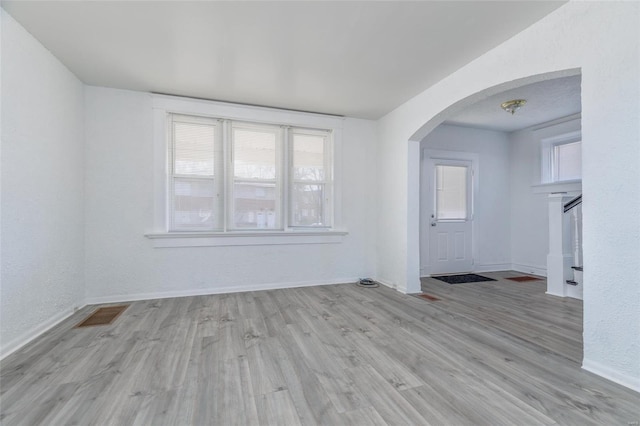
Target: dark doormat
(523, 278)
(463, 278)
(103, 316)
(428, 297)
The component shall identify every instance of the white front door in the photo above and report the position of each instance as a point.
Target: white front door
(450, 212)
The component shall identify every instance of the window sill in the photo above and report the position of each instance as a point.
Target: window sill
(565, 186)
(250, 238)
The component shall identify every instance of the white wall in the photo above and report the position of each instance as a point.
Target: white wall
(122, 264)
(42, 188)
(602, 40)
(530, 209)
(492, 218)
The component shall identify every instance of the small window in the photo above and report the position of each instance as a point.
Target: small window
(567, 161)
(561, 158)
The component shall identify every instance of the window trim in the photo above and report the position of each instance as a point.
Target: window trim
(555, 161)
(165, 104)
(548, 157)
(327, 182)
(231, 180)
(171, 175)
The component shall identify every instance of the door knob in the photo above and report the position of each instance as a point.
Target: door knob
(433, 224)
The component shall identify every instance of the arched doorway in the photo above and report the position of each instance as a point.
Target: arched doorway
(414, 165)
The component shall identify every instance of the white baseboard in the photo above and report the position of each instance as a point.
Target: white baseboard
(491, 267)
(529, 269)
(612, 374)
(9, 348)
(479, 268)
(214, 290)
(19, 342)
(390, 285)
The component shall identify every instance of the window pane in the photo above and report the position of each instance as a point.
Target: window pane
(254, 154)
(255, 206)
(194, 202)
(308, 157)
(193, 149)
(568, 159)
(308, 205)
(451, 192)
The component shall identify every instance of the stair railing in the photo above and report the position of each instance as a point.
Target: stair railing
(576, 218)
(573, 203)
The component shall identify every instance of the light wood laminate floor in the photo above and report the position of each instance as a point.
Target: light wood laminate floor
(485, 354)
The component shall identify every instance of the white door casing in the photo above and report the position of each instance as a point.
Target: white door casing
(449, 180)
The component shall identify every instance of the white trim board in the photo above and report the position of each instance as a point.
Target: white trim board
(213, 239)
(213, 290)
(392, 286)
(611, 374)
(491, 267)
(500, 267)
(529, 269)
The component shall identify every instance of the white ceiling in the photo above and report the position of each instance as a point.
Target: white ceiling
(546, 101)
(359, 59)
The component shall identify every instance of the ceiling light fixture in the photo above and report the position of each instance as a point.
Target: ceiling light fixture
(513, 106)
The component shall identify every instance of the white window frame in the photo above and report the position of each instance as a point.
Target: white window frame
(231, 179)
(328, 181)
(555, 161)
(549, 160)
(172, 175)
(566, 129)
(163, 105)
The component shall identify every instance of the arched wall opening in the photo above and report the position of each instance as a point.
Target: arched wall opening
(507, 223)
(456, 107)
(414, 163)
(571, 38)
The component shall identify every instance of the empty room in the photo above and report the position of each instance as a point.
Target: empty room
(310, 212)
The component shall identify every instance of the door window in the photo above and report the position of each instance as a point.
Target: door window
(451, 192)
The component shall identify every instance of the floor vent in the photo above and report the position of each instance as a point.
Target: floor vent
(523, 278)
(427, 297)
(103, 316)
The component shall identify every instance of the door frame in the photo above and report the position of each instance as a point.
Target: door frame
(425, 200)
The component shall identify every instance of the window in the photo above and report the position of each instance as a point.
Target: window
(311, 178)
(567, 161)
(562, 158)
(257, 177)
(195, 185)
(451, 192)
(228, 175)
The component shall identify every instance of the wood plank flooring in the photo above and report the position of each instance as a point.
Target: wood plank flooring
(494, 353)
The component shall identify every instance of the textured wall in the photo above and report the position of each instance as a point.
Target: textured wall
(42, 188)
(121, 262)
(602, 40)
